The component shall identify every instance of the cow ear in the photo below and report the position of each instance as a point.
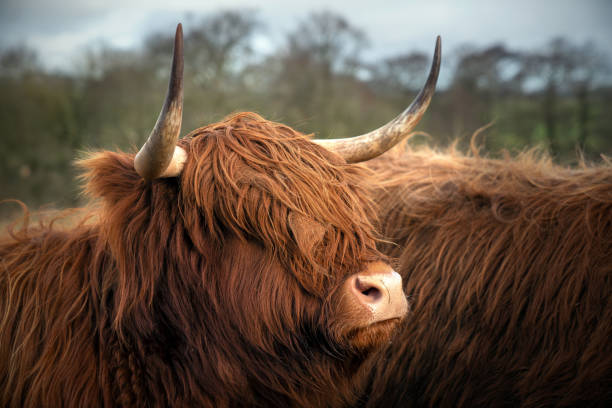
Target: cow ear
(109, 175)
(307, 232)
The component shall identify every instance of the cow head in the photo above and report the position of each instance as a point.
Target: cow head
(245, 252)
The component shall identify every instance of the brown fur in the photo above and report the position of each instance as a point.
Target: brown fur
(196, 291)
(509, 265)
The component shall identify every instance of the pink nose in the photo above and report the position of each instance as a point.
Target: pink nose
(380, 290)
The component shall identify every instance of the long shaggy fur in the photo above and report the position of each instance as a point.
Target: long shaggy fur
(213, 289)
(509, 266)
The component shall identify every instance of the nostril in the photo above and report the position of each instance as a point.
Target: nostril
(370, 291)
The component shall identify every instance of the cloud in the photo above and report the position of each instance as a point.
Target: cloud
(60, 28)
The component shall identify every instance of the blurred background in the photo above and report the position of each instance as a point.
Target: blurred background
(80, 75)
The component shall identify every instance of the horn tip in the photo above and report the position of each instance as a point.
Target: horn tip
(178, 36)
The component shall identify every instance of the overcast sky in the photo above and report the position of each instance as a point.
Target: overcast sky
(60, 29)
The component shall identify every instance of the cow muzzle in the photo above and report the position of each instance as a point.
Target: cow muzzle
(379, 291)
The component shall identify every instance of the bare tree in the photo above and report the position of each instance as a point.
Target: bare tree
(480, 80)
(221, 42)
(590, 66)
(405, 73)
(18, 61)
(329, 41)
(321, 57)
(564, 69)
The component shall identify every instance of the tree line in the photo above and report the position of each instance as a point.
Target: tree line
(556, 98)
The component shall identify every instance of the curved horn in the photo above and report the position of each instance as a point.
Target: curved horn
(376, 142)
(159, 156)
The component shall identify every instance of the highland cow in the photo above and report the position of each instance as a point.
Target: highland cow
(509, 267)
(236, 266)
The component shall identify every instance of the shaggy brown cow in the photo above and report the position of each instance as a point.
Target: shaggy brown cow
(509, 264)
(238, 268)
